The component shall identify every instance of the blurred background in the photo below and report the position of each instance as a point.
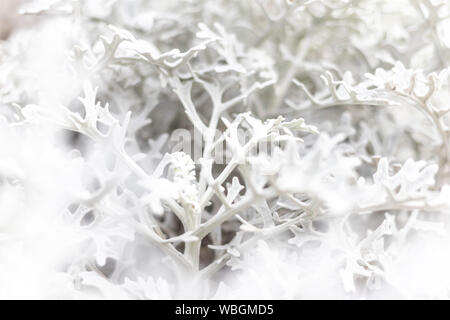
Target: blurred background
(9, 18)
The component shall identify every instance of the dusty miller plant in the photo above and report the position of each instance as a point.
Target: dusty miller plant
(317, 163)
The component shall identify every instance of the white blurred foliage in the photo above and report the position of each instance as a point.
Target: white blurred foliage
(334, 119)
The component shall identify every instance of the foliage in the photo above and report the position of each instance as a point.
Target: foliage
(324, 161)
